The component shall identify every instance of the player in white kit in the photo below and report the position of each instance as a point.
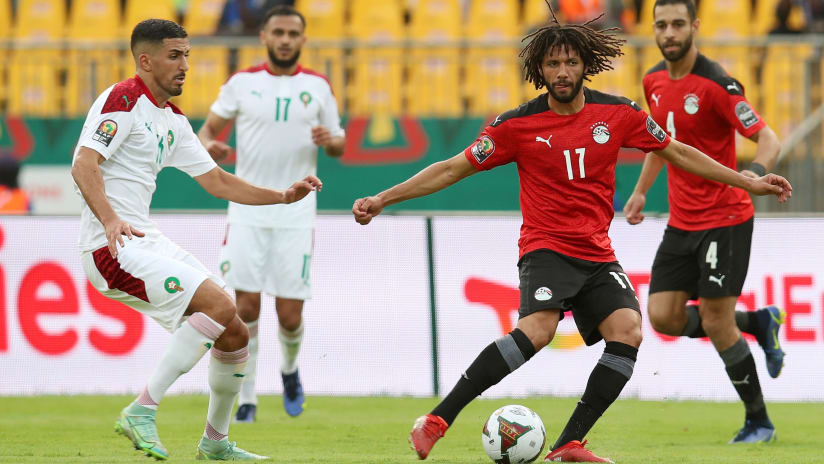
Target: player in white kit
(283, 113)
(130, 134)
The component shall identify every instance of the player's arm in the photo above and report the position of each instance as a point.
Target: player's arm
(332, 144)
(691, 160)
(208, 134)
(89, 179)
(766, 152)
(649, 172)
(433, 178)
(227, 186)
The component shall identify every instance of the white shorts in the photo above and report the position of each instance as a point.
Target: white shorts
(151, 275)
(272, 260)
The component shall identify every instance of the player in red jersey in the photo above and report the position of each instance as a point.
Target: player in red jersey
(706, 247)
(565, 144)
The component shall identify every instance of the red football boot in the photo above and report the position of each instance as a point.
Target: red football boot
(574, 451)
(427, 430)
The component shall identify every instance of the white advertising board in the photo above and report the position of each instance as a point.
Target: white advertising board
(477, 280)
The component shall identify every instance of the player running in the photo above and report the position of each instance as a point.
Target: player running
(565, 144)
(130, 134)
(706, 247)
(283, 112)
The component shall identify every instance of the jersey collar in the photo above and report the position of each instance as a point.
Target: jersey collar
(298, 70)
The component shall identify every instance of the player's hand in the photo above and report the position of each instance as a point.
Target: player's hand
(301, 188)
(633, 207)
(115, 230)
(772, 184)
(365, 209)
(321, 136)
(749, 174)
(218, 150)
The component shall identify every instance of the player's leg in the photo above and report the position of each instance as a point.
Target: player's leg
(242, 259)
(672, 283)
(607, 308)
(539, 313)
(248, 309)
(717, 316)
(289, 278)
(494, 362)
(290, 335)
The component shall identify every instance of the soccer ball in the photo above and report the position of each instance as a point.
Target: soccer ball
(513, 434)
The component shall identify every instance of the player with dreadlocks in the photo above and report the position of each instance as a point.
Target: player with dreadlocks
(565, 144)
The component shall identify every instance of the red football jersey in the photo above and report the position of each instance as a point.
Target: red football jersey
(566, 165)
(703, 109)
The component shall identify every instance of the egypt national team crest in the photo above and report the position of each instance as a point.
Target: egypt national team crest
(543, 294)
(510, 432)
(105, 132)
(600, 132)
(483, 148)
(691, 103)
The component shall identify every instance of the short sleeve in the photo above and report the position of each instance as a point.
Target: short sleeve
(733, 106)
(187, 153)
(329, 116)
(106, 132)
(226, 105)
(492, 148)
(642, 132)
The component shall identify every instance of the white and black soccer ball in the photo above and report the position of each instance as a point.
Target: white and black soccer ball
(513, 434)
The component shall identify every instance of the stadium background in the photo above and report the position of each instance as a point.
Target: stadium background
(403, 305)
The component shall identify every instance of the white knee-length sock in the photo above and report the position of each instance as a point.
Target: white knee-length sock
(226, 371)
(247, 391)
(289, 348)
(189, 343)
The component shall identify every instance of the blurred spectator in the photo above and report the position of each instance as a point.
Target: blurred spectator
(13, 200)
(242, 17)
(814, 15)
(784, 16)
(581, 11)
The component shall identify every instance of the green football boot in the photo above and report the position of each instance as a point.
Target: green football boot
(223, 450)
(142, 431)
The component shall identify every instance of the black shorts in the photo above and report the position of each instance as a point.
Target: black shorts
(591, 290)
(708, 263)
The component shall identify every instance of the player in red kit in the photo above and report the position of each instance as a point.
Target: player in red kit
(565, 144)
(706, 247)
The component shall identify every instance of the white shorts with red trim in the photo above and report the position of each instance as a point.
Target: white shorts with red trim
(272, 260)
(151, 275)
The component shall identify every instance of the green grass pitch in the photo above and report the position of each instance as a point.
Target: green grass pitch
(79, 429)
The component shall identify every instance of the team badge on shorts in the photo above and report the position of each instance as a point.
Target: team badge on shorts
(105, 132)
(600, 132)
(655, 130)
(543, 294)
(691, 103)
(483, 148)
(172, 285)
(224, 267)
(745, 114)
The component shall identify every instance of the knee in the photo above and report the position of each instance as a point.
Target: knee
(238, 332)
(658, 319)
(633, 336)
(248, 309)
(290, 322)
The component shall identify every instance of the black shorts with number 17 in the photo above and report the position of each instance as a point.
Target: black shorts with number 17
(591, 290)
(708, 263)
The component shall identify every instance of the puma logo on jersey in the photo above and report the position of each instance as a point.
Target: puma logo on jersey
(126, 99)
(257, 94)
(746, 381)
(655, 98)
(496, 121)
(718, 280)
(734, 87)
(546, 141)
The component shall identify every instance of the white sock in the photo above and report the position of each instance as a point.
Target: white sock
(289, 347)
(247, 391)
(189, 343)
(225, 377)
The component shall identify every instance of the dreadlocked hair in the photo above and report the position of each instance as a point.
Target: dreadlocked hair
(594, 47)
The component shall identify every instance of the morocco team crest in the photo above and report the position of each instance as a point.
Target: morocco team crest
(172, 285)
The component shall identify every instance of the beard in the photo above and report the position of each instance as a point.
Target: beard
(283, 64)
(575, 89)
(678, 54)
(173, 89)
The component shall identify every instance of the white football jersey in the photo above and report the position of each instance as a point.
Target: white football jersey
(274, 116)
(138, 139)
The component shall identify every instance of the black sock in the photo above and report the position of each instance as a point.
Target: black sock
(495, 362)
(605, 383)
(741, 370)
(693, 329)
(747, 322)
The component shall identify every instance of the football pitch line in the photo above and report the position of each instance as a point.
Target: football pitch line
(79, 429)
